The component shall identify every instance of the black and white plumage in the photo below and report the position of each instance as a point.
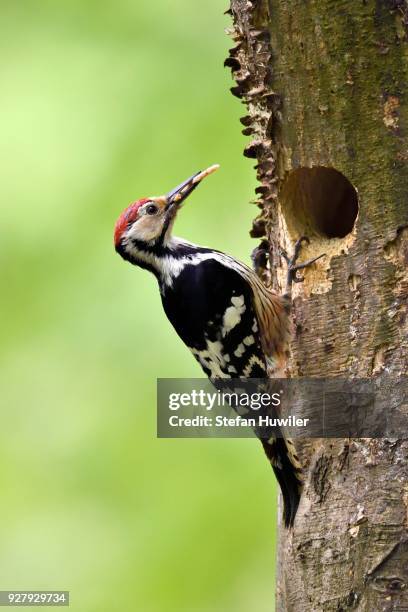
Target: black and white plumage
(233, 325)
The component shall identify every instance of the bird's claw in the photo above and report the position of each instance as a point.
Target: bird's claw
(284, 255)
(293, 267)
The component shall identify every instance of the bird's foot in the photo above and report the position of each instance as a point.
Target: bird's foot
(293, 267)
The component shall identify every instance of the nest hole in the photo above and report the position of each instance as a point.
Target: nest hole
(319, 201)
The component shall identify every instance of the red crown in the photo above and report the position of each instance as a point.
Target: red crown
(128, 216)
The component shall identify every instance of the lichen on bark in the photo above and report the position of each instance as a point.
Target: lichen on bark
(325, 86)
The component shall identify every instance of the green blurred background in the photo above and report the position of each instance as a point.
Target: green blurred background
(102, 102)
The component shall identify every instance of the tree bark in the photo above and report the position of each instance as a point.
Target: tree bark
(325, 83)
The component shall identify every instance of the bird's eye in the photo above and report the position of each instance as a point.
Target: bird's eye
(151, 209)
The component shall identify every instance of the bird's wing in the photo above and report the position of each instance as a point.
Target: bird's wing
(272, 311)
(212, 309)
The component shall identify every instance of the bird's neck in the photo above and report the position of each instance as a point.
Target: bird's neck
(165, 260)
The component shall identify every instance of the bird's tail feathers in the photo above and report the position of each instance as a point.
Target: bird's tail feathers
(285, 463)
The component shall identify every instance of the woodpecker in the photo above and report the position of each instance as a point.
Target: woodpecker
(234, 326)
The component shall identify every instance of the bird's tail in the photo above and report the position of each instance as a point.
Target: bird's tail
(285, 463)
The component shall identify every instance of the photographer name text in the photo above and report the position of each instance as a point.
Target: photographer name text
(236, 421)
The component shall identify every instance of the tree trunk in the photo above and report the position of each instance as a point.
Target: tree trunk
(325, 83)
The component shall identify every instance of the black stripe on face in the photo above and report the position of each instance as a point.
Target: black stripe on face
(146, 247)
(170, 215)
(130, 257)
(160, 250)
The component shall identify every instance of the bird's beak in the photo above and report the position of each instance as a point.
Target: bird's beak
(182, 191)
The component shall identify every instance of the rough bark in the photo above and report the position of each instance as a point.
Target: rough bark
(325, 83)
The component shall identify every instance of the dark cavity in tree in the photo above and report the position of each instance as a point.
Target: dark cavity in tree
(319, 201)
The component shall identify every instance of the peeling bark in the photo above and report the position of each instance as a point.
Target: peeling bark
(325, 84)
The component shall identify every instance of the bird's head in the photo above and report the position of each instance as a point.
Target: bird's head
(148, 222)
